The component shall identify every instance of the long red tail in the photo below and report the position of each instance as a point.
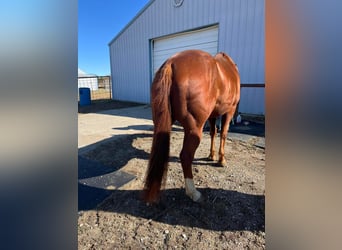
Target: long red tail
(161, 112)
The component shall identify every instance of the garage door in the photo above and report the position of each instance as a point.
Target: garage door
(203, 39)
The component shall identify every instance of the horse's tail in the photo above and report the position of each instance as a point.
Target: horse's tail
(161, 113)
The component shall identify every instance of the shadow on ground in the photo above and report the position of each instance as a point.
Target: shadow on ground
(103, 175)
(248, 128)
(101, 105)
(223, 209)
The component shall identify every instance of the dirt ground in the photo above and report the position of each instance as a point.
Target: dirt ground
(232, 217)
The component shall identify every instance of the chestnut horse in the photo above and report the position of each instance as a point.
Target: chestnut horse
(191, 87)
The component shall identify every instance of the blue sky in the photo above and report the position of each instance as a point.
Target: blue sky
(98, 23)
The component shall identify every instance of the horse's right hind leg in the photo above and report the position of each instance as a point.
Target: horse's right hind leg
(226, 118)
(191, 141)
(212, 154)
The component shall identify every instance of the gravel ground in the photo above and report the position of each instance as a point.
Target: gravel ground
(232, 217)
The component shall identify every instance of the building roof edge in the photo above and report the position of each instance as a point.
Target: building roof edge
(130, 22)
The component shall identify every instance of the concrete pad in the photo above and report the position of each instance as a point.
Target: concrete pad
(95, 127)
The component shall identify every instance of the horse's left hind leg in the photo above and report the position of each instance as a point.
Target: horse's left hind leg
(191, 141)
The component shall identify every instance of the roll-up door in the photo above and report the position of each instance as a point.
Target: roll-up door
(204, 39)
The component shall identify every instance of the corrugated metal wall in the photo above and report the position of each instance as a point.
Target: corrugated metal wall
(241, 35)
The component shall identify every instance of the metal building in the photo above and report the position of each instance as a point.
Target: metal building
(164, 27)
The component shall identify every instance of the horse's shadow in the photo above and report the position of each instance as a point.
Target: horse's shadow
(205, 161)
(223, 210)
(146, 127)
(143, 127)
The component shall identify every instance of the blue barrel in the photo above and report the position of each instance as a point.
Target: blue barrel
(84, 96)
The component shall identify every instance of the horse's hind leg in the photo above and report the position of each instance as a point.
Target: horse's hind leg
(191, 141)
(212, 154)
(224, 131)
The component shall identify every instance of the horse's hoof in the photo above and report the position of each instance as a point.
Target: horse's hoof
(212, 158)
(195, 196)
(223, 163)
(201, 200)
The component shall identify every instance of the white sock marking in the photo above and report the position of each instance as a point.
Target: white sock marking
(190, 190)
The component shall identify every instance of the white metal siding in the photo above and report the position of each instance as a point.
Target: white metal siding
(240, 34)
(204, 39)
(252, 101)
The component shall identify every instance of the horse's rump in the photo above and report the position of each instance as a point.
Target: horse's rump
(190, 87)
